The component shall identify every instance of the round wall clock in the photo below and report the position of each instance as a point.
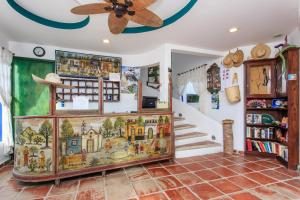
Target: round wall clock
(39, 51)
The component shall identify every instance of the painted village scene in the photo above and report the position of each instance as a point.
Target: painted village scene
(81, 65)
(33, 149)
(98, 141)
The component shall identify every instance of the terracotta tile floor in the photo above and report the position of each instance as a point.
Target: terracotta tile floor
(216, 176)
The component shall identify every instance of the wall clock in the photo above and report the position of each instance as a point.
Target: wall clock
(39, 51)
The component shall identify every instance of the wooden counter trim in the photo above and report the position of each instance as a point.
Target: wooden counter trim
(105, 115)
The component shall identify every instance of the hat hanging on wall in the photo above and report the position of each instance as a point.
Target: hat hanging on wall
(227, 61)
(238, 58)
(261, 51)
(51, 79)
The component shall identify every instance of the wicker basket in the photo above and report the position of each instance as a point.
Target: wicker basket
(233, 93)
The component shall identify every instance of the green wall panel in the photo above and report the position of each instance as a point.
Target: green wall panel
(30, 98)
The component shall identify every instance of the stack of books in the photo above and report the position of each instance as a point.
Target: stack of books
(260, 133)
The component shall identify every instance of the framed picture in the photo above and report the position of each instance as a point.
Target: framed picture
(153, 77)
(79, 65)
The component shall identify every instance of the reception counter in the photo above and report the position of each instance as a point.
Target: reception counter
(65, 145)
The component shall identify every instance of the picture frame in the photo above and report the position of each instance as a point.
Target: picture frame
(80, 65)
(153, 77)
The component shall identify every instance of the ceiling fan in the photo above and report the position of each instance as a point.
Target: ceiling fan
(121, 11)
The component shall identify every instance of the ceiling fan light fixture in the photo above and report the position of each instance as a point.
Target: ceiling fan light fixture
(233, 30)
(106, 41)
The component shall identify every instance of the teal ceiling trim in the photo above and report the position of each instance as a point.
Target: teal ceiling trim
(47, 22)
(167, 21)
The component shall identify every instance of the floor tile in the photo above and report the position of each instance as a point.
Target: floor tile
(64, 187)
(9, 193)
(267, 164)
(181, 194)
(294, 182)
(157, 172)
(276, 175)
(205, 191)
(225, 186)
(286, 190)
(90, 194)
(224, 172)
(237, 160)
(168, 182)
(184, 160)
(207, 175)
(199, 158)
(252, 158)
(34, 192)
(209, 164)
(267, 194)
(89, 183)
(253, 166)
(194, 166)
(260, 178)
(118, 187)
(138, 175)
(157, 196)
(188, 179)
(244, 196)
(176, 169)
(168, 163)
(292, 173)
(240, 169)
(134, 169)
(69, 196)
(243, 182)
(145, 187)
(224, 162)
(213, 156)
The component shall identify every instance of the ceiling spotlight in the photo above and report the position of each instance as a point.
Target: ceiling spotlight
(106, 41)
(234, 29)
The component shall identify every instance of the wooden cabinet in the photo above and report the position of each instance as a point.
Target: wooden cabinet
(272, 107)
(260, 78)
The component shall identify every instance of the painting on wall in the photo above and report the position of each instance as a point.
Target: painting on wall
(94, 142)
(81, 65)
(129, 81)
(33, 146)
(153, 77)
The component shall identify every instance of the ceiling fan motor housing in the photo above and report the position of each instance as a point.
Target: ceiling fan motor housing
(120, 8)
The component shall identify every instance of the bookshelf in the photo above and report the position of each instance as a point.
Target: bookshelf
(272, 108)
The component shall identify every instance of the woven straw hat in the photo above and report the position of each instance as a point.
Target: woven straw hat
(238, 58)
(51, 79)
(227, 61)
(261, 51)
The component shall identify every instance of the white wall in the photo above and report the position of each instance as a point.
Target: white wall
(294, 37)
(4, 39)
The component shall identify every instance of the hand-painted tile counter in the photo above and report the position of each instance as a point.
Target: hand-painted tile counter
(55, 147)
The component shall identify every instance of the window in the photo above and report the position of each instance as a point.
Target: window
(0, 122)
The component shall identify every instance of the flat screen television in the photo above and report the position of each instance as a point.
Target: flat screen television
(149, 102)
(192, 98)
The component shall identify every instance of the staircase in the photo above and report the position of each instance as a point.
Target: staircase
(194, 131)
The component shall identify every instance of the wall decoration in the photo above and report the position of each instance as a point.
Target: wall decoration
(33, 146)
(100, 141)
(213, 79)
(81, 65)
(129, 81)
(153, 77)
(215, 101)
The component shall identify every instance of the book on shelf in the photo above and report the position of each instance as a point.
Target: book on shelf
(260, 133)
(268, 147)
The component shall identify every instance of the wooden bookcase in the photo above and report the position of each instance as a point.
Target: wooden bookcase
(89, 88)
(268, 80)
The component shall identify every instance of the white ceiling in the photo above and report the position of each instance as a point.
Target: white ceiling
(205, 26)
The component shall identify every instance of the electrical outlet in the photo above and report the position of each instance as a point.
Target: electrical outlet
(213, 137)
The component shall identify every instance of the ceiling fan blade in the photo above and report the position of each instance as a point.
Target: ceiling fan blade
(141, 4)
(88, 9)
(146, 17)
(116, 24)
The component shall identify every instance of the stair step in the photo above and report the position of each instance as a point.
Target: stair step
(183, 126)
(177, 119)
(190, 135)
(198, 145)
